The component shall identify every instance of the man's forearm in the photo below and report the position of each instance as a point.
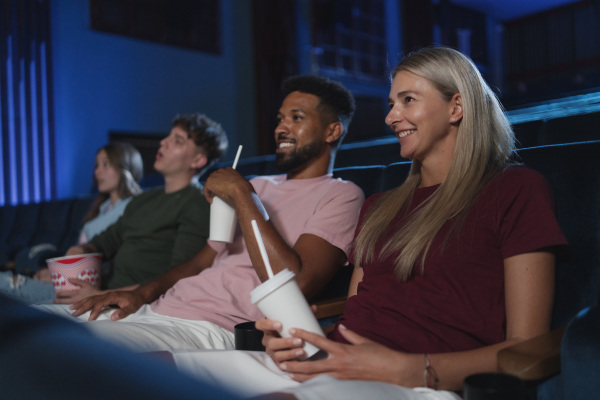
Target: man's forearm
(234, 189)
(154, 289)
(280, 254)
(129, 288)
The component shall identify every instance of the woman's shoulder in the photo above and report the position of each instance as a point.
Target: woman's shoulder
(518, 181)
(117, 207)
(376, 196)
(519, 175)
(521, 170)
(372, 200)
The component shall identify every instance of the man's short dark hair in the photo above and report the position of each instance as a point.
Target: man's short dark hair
(336, 105)
(206, 133)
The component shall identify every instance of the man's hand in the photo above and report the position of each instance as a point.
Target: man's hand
(72, 296)
(128, 302)
(226, 183)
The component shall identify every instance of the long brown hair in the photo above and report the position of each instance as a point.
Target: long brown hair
(485, 141)
(127, 161)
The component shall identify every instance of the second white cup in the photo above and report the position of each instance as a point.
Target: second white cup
(223, 220)
(280, 299)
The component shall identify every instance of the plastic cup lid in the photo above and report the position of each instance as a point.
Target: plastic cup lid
(270, 285)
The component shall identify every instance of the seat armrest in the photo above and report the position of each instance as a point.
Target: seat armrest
(330, 307)
(533, 359)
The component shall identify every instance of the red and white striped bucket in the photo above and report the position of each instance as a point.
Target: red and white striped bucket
(85, 267)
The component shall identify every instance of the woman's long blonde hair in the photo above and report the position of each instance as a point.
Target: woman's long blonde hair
(484, 144)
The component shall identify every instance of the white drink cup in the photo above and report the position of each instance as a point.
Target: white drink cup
(280, 299)
(223, 221)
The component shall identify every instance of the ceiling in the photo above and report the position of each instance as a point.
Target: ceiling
(504, 10)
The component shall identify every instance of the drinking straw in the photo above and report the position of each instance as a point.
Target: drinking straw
(237, 157)
(261, 247)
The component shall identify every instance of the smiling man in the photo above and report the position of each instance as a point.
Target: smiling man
(305, 216)
(162, 227)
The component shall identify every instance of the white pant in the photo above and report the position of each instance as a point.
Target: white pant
(253, 373)
(146, 330)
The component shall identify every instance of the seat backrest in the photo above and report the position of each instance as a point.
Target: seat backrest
(378, 151)
(79, 208)
(580, 352)
(23, 229)
(573, 171)
(7, 220)
(152, 180)
(395, 174)
(368, 177)
(252, 166)
(53, 220)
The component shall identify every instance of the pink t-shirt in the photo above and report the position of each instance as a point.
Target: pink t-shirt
(323, 206)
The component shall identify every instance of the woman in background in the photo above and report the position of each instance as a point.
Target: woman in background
(117, 171)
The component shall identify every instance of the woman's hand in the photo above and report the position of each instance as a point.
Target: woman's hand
(72, 296)
(362, 359)
(75, 250)
(43, 275)
(83, 248)
(278, 348)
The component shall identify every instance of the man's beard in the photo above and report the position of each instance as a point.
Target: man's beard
(286, 163)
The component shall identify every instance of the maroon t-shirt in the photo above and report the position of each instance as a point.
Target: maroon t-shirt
(458, 302)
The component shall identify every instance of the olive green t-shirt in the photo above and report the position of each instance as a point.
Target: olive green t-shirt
(156, 232)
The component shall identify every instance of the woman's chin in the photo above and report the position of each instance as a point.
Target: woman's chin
(409, 155)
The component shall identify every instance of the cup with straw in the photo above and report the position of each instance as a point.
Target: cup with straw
(223, 218)
(279, 298)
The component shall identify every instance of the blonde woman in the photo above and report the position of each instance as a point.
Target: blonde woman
(450, 267)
